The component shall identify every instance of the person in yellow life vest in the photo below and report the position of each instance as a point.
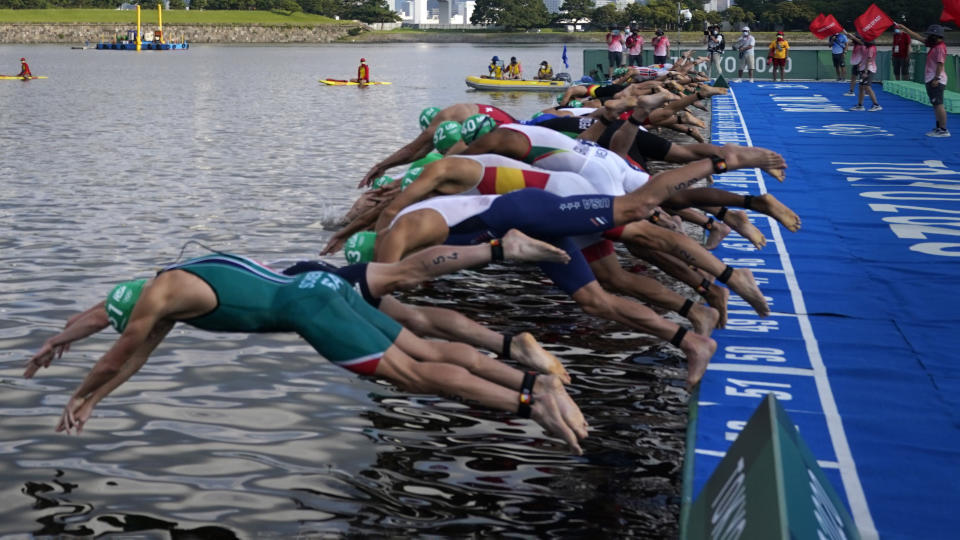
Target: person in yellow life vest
(514, 71)
(363, 72)
(777, 57)
(495, 69)
(545, 73)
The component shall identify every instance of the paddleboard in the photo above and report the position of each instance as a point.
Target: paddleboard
(341, 82)
(15, 78)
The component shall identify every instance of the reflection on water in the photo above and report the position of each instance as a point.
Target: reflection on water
(118, 159)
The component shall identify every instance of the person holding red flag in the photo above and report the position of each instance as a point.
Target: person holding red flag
(934, 76)
(872, 23)
(865, 72)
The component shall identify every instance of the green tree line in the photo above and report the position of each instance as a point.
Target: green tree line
(370, 11)
(663, 14)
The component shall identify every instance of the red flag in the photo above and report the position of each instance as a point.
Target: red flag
(872, 23)
(951, 11)
(824, 26)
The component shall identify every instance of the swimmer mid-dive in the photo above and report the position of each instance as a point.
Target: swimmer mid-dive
(227, 293)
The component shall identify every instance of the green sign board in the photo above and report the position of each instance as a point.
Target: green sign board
(768, 486)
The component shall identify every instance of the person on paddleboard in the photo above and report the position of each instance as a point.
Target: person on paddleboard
(24, 69)
(363, 72)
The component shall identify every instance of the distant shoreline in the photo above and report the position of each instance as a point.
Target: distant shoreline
(73, 33)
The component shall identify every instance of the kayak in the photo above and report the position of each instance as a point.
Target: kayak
(15, 78)
(341, 82)
(483, 83)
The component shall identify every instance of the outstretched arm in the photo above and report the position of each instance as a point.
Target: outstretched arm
(78, 327)
(413, 151)
(910, 32)
(169, 296)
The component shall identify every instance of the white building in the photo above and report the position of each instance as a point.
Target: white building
(717, 5)
(419, 14)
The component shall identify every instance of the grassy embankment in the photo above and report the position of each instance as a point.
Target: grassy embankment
(149, 15)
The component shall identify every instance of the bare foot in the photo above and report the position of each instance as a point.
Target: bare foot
(699, 351)
(717, 297)
(554, 410)
(779, 174)
(691, 119)
(769, 205)
(742, 283)
(718, 231)
(520, 247)
(619, 105)
(691, 131)
(699, 105)
(709, 91)
(674, 87)
(745, 157)
(704, 319)
(525, 350)
(738, 220)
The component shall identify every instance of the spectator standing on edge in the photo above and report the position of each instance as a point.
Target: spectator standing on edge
(635, 48)
(715, 46)
(933, 74)
(779, 49)
(661, 47)
(901, 55)
(745, 46)
(838, 47)
(614, 49)
(855, 57)
(867, 68)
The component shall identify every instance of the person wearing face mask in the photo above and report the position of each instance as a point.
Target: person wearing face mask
(934, 76)
(779, 49)
(901, 55)
(838, 47)
(715, 46)
(744, 46)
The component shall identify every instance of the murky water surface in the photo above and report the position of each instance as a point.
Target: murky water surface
(117, 159)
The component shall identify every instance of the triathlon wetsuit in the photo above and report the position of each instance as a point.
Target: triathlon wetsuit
(498, 115)
(503, 175)
(549, 149)
(319, 306)
(474, 219)
(605, 92)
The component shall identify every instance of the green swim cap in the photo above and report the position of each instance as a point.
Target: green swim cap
(620, 72)
(426, 116)
(359, 247)
(446, 135)
(575, 104)
(120, 302)
(476, 126)
(559, 98)
(382, 181)
(412, 174)
(429, 158)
